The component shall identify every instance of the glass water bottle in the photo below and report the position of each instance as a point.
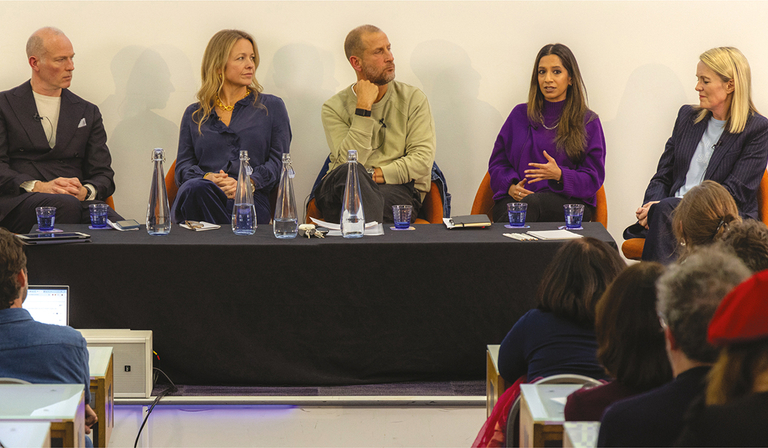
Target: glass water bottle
(244, 212)
(158, 210)
(352, 216)
(285, 223)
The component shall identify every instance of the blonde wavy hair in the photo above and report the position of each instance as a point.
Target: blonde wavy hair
(730, 64)
(214, 62)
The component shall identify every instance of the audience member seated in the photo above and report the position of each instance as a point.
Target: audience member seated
(558, 336)
(749, 240)
(689, 293)
(231, 115)
(736, 403)
(723, 139)
(703, 216)
(630, 343)
(33, 351)
(551, 150)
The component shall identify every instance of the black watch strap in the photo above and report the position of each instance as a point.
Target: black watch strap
(363, 112)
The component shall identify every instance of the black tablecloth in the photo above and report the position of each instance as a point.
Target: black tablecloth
(255, 310)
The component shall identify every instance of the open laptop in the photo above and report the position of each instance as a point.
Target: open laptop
(48, 304)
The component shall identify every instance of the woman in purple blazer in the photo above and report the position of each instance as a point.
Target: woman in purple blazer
(551, 150)
(724, 139)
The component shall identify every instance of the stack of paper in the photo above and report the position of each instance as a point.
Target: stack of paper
(199, 226)
(554, 234)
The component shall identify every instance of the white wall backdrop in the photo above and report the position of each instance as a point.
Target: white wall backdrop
(139, 61)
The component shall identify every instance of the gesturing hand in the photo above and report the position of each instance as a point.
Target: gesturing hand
(517, 192)
(544, 171)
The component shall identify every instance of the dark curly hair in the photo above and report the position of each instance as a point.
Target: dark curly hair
(12, 261)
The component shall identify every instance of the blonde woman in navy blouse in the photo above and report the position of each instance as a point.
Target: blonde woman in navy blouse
(232, 115)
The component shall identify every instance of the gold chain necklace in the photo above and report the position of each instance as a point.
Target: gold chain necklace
(232, 107)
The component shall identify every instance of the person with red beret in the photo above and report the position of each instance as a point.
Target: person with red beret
(735, 408)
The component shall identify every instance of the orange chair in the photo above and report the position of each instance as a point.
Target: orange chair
(170, 183)
(633, 247)
(110, 202)
(431, 208)
(172, 189)
(483, 203)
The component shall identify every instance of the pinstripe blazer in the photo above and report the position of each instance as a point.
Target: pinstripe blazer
(738, 162)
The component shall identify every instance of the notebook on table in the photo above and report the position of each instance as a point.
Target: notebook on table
(466, 221)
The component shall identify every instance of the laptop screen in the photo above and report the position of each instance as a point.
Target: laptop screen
(48, 304)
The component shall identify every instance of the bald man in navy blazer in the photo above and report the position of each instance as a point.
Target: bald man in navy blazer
(53, 147)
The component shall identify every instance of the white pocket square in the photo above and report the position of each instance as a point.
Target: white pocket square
(82, 123)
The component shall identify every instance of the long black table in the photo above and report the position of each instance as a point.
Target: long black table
(254, 310)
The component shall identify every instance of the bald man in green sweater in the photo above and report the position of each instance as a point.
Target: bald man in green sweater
(389, 124)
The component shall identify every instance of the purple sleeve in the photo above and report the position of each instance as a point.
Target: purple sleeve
(584, 180)
(502, 165)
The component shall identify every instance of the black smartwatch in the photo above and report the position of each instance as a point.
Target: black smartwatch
(363, 112)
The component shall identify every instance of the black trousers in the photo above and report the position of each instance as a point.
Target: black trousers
(378, 199)
(544, 206)
(69, 210)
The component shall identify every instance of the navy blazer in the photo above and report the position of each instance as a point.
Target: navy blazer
(80, 151)
(738, 162)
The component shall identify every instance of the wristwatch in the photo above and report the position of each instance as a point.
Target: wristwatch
(363, 112)
(371, 171)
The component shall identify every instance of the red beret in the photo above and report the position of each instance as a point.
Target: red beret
(743, 314)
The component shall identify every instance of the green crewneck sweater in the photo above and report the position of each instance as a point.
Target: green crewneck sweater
(398, 137)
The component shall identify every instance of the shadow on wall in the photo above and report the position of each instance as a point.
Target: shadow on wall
(636, 119)
(302, 75)
(466, 127)
(142, 85)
